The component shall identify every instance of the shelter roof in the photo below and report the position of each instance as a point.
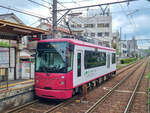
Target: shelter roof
(12, 30)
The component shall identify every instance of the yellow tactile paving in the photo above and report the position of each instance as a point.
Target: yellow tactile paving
(14, 84)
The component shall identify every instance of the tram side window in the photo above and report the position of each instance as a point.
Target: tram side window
(70, 61)
(79, 64)
(113, 58)
(94, 59)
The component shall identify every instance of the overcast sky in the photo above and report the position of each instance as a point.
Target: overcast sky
(132, 18)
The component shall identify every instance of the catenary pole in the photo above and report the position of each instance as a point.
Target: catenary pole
(54, 18)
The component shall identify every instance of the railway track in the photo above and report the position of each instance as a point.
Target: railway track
(50, 108)
(140, 100)
(64, 110)
(123, 69)
(134, 91)
(102, 99)
(33, 106)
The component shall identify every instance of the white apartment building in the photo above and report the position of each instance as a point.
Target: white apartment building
(123, 49)
(97, 27)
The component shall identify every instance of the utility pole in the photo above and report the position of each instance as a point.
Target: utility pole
(120, 40)
(54, 19)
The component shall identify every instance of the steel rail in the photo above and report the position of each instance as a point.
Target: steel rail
(127, 65)
(19, 108)
(126, 68)
(22, 106)
(47, 111)
(134, 91)
(61, 105)
(57, 106)
(94, 106)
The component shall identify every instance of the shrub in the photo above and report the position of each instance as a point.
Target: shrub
(128, 60)
(4, 44)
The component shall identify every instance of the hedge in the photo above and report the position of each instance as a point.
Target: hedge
(128, 60)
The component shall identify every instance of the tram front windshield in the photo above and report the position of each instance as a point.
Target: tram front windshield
(51, 57)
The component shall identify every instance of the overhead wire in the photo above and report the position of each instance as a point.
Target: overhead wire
(132, 17)
(131, 23)
(66, 7)
(46, 2)
(23, 12)
(34, 22)
(39, 4)
(77, 1)
(49, 18)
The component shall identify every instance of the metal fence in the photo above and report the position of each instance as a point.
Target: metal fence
(3, 78)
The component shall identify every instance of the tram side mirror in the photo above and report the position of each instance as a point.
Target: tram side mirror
(33, 55)
(71, 47)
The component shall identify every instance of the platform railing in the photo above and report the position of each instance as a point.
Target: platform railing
(3, 78)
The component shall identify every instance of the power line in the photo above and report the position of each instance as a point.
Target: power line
(34, 22)
(23, 12)
(126, 15)
(61, 4)
(46, 2)
(95, 5)
(77, 1)
(130, 14)
(39, 4)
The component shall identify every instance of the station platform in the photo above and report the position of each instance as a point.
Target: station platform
(18, 93)
(15, 84)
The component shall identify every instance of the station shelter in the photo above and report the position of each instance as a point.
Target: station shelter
(12, 33)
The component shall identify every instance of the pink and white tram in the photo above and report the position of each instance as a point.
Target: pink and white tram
(64, 65)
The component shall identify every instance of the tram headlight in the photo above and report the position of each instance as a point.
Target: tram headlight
(37, 81)
(62, 83)
(62, 77)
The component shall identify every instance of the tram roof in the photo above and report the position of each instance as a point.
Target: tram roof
(78, 42)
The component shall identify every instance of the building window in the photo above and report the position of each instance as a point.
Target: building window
(85, 34)
(106, 33)
(79, 25)
(100, 25)
(106, 25)
(99, 34)
(85, 25)
(89, 25)
(73, 26)
(92, 34)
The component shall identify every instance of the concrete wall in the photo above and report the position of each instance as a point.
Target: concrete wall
(13, 98)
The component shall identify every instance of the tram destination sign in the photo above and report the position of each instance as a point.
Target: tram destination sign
(4, 57)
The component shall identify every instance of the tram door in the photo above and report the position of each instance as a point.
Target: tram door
(108, 60)
(79, 67)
